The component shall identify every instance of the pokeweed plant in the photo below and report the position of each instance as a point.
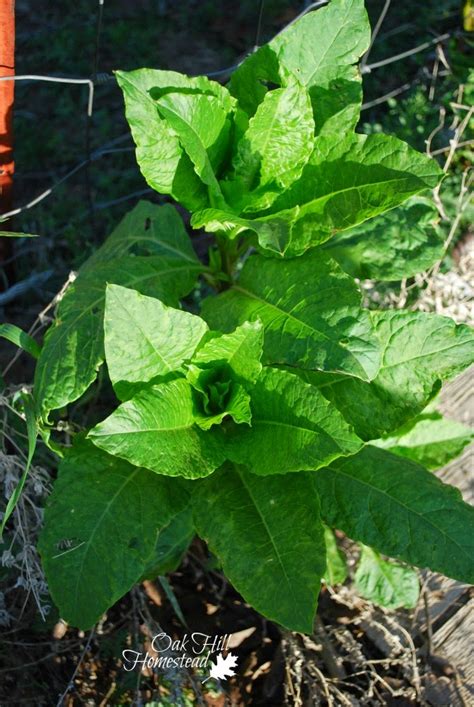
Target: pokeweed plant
(284, 408)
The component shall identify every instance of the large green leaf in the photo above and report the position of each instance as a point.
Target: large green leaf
(293, 428)
(278, 143)
(310, 310)
(156, 429)
(203, 128)
(144, 338)
(388, 584)
(430, 439)
(419, 351)
(400, 509)
(73, 349)
(148, 229)
(398, 244)
(101, 525)
(160, 155)
(320, 50)
(273, 561)
(345, 182)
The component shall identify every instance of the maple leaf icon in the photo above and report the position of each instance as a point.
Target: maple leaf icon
(222, 668)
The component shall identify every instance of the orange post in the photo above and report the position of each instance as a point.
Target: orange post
(7, 91)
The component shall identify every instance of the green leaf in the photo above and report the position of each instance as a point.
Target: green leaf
(310, 310)
(203, 128)
(272, 153)
(171, 545)
(430, 439)
(160, 155)
(400, 509)
(217, 396)
(387, 584)
(345, 182)
(419, 351)
(73, 349)
(336, 564)
(293, 428)
(249, 523)
(17, 336)
(147, 229)
(101, 525)
(156, 429)
(241, 349)
(321, 49)
(248, 82)
(13, 234)
(32, 434)
(398, 244)
(144, 338)
(349, 181)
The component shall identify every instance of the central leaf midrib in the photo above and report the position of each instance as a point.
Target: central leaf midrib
(270, 536)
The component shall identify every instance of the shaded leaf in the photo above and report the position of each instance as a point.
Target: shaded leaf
(249, 523)
(73, 348)
(398, 244)
(171, 545)
(101, 525)
(400, 509)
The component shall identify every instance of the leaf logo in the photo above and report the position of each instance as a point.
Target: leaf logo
(222, 668)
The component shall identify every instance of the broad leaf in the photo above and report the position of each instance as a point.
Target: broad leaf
(147, 229)
(344, 183)
(162, 160)
(430, 439)
(101, 525)
(336, 564)
(249, 523)
(388, 584)
(73, 349)
(171, 545)
(320, 50)
(293, 428)
(399, 509)
(419, 351)
(156, 429)
(278, 143)
(203, 128)
(310, 310)
(398, 244)
(144, 338)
